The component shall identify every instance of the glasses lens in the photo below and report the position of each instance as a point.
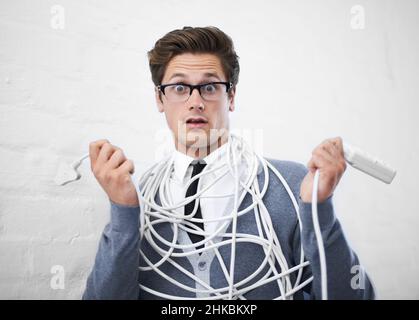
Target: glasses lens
(212, 91)
(177, 93)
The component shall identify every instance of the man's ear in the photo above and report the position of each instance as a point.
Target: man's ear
(159, 101)
(231, 96)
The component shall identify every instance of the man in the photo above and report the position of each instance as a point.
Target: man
(195, 71)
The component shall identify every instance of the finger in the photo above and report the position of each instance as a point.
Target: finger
(105, 153)
(94, 149)
(338, 143)
(318, 161)
(323, 152)
(311, 166)
(326, 148)
(127, 166)
(116, 159)
(336, 159)
(331, 149)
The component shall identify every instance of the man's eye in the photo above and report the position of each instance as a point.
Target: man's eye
(180, 88)
(210, 88)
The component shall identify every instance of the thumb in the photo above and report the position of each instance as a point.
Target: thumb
(311, 167)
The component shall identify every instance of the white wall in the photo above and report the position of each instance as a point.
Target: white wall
(307, 75)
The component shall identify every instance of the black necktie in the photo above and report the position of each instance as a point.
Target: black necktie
(197, 168)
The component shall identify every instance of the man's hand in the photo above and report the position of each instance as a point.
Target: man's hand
(328, 158)
(112, 170)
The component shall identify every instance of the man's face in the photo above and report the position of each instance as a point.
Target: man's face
(196, 69)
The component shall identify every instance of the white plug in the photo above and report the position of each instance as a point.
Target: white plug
(68, 173)
(367, 163)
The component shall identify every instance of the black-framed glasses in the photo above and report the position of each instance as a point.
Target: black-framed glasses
(180, 92)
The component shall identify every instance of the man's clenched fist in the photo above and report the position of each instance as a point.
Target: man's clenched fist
(329, 159)
(112, 170)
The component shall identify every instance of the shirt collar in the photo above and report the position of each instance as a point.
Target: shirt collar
(182, 161)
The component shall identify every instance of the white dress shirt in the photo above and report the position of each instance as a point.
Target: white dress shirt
(210, 207)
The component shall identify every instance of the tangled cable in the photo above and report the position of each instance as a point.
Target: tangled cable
(155, 181)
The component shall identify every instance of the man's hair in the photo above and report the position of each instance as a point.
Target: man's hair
(194, 40)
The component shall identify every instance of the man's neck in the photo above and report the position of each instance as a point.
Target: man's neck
(202, 152)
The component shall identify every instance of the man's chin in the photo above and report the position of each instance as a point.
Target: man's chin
(197, 139)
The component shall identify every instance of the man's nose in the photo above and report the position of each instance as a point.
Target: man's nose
(195, 100)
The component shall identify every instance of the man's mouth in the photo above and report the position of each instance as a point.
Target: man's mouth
(196, 122)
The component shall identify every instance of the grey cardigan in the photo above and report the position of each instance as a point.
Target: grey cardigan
(115, 274)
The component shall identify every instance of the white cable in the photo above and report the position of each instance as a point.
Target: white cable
(156, 182)
(319, 238)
